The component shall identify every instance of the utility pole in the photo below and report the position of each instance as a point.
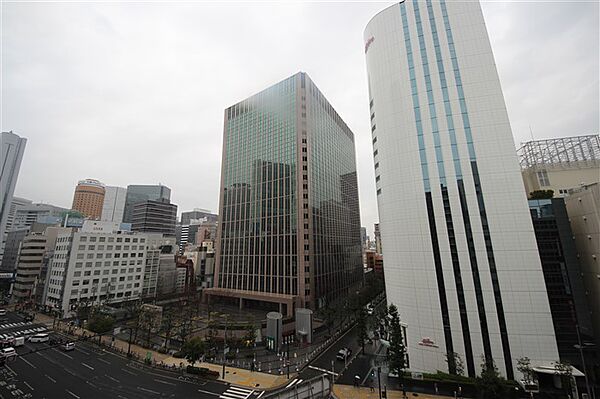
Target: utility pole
(129, 342)
(587, 384)
(225, 349)
(379, 380)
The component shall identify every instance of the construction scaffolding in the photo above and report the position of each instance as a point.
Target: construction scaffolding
(559, 151)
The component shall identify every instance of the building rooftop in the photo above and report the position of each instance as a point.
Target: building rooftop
(560, 151)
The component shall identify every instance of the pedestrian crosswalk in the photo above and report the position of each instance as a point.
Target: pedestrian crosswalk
(294, 382)
(236, 393)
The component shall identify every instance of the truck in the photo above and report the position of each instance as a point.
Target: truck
(19, 341)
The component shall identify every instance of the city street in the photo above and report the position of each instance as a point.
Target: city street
(88, 372)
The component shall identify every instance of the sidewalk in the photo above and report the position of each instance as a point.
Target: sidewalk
(351, 392)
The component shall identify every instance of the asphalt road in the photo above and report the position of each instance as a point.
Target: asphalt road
(43, 371)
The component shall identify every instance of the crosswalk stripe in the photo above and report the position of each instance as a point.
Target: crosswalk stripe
(246, 391)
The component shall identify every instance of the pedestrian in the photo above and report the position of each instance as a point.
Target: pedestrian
(435, 387)
(403, 391)
(371, 385)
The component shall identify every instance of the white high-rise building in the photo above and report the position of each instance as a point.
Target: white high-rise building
(461, 260)
(114, 203)
(12, 148)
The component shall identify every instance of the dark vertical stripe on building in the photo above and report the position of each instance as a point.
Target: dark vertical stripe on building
(460, 292)
(439, 273)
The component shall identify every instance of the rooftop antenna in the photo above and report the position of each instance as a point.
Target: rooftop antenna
(531, 132)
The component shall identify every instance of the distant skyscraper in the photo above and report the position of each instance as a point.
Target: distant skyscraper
(154, 217)
(89, 198)
(114, 204)
(11, 154)
(187, 217)
(289, 224)
(140, 193)
(461, 260)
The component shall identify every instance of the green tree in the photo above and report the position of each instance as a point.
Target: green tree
(524, 366)
(250, 336)
(455, 363)
(193, 349)
(100, 324)
(362, 328)
(541, 194)
(396, 355)
(565, 370)
(490, 385)
(329, 316)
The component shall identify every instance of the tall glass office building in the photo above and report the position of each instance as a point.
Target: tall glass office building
(289, 223)
(461, 260)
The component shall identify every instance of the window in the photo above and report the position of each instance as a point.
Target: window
(81, 247)
(92, 239)
(83, 239)
(542, 176)
(101, 239)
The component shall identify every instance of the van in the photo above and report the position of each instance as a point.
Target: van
(39, 338)
(8, 352)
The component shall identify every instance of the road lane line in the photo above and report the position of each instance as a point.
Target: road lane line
(82, 351)
(128, 372)
(50, 378)
(164, 382)
(69, 371)
(208, 392)
(62, 353)
(72, 394)
(114, 379)
(292, 383)
(87, 365)
(91, 384)
(11, 370)
(28, 386)
(148, 390)
(103, 361)
(261, 394)
(28, 362)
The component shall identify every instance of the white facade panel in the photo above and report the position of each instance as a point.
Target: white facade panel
(435, 93)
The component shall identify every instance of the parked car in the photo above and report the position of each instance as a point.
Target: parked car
(343, 354)
(2, 312)
(40, 338)
(69, 346)
(19, 341)
(7, 353)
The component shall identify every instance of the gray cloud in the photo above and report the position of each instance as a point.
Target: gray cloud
(135, 93)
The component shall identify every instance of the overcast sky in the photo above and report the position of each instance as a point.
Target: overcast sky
(134, 93)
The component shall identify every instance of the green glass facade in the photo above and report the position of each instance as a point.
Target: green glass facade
(289, 225)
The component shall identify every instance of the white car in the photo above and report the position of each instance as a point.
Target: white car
(39, 338)
(8, 352)
(343, 354)
(69, 346)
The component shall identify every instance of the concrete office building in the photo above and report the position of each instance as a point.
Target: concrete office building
(11, 249)
(560, 164)
(27, 215)
(12, 148)
(97, 264)
(289, 225)
(16, 203)
(29, 282)
(158, 216)
(89, 198)
(583, 208)
(159, 250)
(461, 260)
(114, 204)
(562, 273)
(137, 193)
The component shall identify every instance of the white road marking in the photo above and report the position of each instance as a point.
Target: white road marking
(72, 394)
(322, 370)
(28, 386)
(236, 393)
(103, 361)
(292, 383)
(114, 379)
(148, 390)
(50, 378)
(69, 371)
(82, 351)
(11, 370)
(87, 365)
(28, 362)
(164, 382)
(62, 353)
(91, 384)
(129, 372)
(261, 394)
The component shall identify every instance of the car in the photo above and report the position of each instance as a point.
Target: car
(8, 352)
(343, 354)
(69, 346)
(2, 312)
(39, 338)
